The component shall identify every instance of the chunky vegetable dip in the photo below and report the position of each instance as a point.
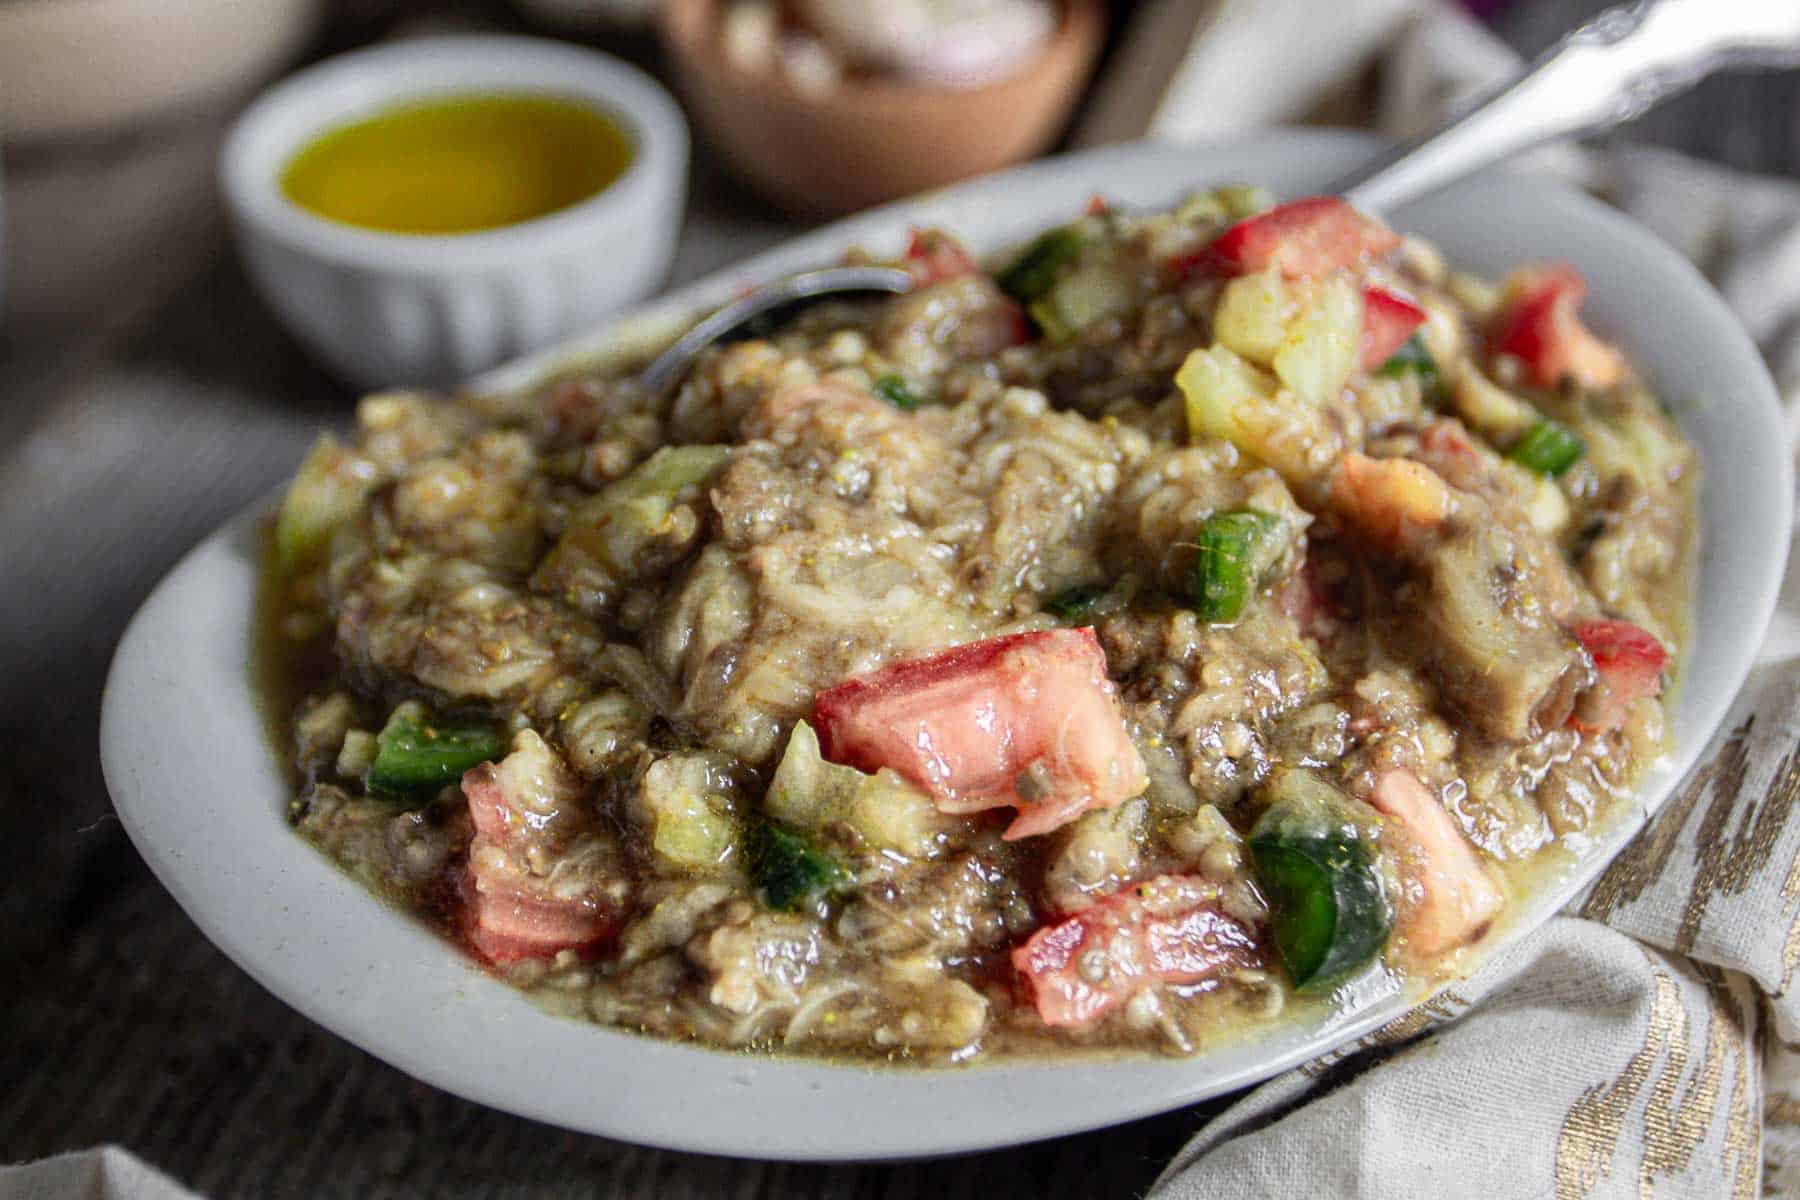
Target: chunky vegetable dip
(1202, 615)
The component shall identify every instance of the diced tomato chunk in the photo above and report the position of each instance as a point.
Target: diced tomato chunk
(1013, 327)
(1388, 320)
(1538, 325)
(1395, 502)
(1450, 899)
(1028, 721)
(506, 925)
(1097, 205)
(1166, 930)
(1305, 598)
(1630, 664)
(509, 912)
(1300, 238)
(933, 256)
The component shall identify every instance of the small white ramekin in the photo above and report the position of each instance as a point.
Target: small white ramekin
(386, 308)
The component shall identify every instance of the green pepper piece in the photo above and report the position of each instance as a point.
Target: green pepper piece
(1547, 448)
(1236, 550)
(893, 389)
(1414, 359)
(792, 870)
(415, 755)
(1031, 276)
(1077, 603)
(1326, 909)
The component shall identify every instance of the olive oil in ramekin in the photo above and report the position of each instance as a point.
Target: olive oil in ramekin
(459, 164)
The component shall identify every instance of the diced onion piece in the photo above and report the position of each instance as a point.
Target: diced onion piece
(328, 490)
(1489, 408)
(1231, 398)
(1322, 345)
(1253, 314)
(886, 811)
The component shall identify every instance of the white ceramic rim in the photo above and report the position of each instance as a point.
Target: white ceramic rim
(202, 803)
(363, 82)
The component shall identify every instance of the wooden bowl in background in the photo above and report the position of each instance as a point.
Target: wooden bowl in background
(869, 140)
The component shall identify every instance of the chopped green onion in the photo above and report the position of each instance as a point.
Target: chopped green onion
(893, 389)
(1031, 276)
(1414, 359)
(415, 754)
(1236, 549)
(792, 870)
(1076, 604)
(1547, 448)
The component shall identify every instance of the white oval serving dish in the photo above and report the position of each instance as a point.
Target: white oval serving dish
(201, 794)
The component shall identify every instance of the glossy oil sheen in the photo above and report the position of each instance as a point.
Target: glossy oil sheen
(460, 164)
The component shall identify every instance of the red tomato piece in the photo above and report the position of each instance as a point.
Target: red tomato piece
(1388, 320)
(1302, 237)
(506, 925)
(509, 912)
(1166, 930)
(1450, 900)
(1630, 664)
(1538, 325)
(933, 256)
(1028, 721)
(1303, 597)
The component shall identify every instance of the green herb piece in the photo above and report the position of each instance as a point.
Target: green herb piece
(1237, 549)
(1032, 275)
(1547, 448)
(1414, 359)
(416, 755)
(893, 389)
(1076, 604)
(792, 871)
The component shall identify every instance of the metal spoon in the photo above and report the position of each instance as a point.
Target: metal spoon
(1606, 72)
(1614, 68)
(668, 367)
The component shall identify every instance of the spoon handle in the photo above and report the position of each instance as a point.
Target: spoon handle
(1608, 71)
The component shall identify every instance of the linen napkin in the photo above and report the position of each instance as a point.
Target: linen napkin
(1646, 1041)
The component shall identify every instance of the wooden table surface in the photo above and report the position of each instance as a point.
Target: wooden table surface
(121, 1023)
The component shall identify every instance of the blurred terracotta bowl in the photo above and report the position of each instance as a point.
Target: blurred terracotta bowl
(868, 140)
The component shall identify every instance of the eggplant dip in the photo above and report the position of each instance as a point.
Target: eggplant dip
(1193, 617)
